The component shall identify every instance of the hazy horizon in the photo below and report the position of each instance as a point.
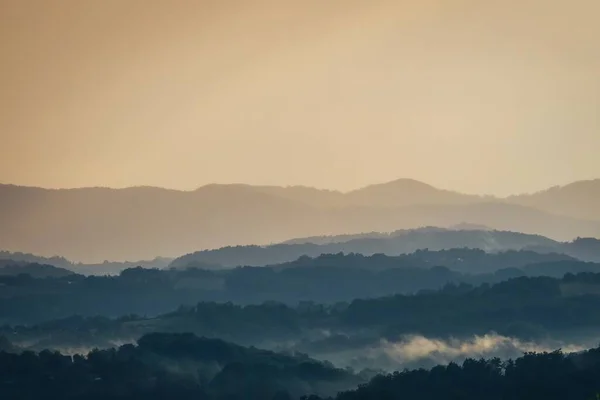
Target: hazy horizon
(299, 199)
(486, 98)
(301, 186)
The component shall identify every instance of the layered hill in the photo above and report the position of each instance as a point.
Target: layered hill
(578, 200)
(95, 224)
(12, 268)
(329, 278)
(18, 260)
(395, 243)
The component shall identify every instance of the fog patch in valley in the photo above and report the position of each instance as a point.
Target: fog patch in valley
(417, 351)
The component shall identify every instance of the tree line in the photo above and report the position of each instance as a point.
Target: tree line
(325, 279)
(528, 308)
(184, 366)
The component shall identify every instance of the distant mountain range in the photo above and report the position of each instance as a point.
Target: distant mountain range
(95, 224)
(19, 261)
(401, 242)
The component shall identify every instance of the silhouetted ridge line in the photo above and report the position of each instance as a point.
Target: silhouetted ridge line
(94, 224)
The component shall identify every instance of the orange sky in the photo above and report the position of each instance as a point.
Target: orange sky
(479, 96)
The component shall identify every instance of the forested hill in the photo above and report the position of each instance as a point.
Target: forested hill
(169, 366)
(103, 268)
(545, 376)
(186, 367)
(399, 242)
(35, 270)
(325, 279)
(523, 308)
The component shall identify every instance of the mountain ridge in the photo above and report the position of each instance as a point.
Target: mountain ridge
(398, 181)
(390, 244)
(95, 224)
(406, 182)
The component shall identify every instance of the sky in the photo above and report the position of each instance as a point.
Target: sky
(489, 97)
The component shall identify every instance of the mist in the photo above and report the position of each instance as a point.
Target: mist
(299, 200)
(418, 351)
